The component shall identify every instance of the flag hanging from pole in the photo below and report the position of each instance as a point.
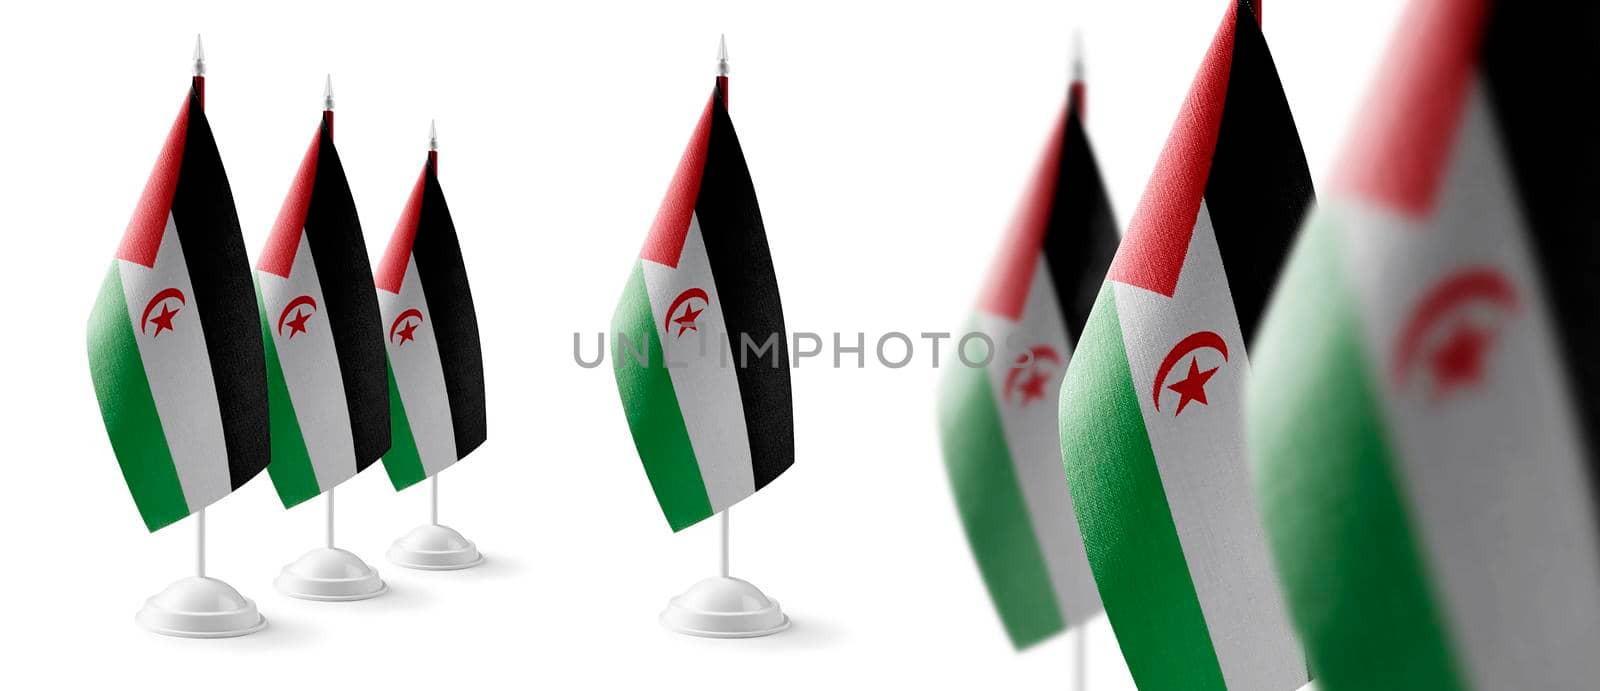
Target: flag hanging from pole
(700, 351)
(1424, 416)
(174, 346)
(436, 399)
(326, 374)
(997, 423)
(1151, 415)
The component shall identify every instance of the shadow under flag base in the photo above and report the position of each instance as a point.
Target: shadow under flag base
(200, 607)
(434, 548)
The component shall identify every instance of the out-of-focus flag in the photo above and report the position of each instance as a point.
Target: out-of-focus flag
(701, 356)
(174, 344)
(326, 370)
(998, 423)
(1152, 428)
(436, 399)
(1424, 416)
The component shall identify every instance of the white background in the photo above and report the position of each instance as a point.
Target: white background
(888, 143)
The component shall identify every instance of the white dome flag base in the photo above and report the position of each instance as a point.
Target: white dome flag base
(200, 607)
(434, 547)
(330, 574)
(724, 607)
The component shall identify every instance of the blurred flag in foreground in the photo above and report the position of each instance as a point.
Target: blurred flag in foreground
(1152, 429)
(1424, 410)
(701, 358)
(998, 422)
(174, 344)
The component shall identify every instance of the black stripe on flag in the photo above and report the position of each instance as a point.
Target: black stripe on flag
(224, 295)
(1260, 186)
(333, 232)
(741, 265)
(1081, 236)
(1531, 53)
(443, 275)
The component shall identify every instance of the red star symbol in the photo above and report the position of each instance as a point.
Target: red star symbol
(1032, 388)
(409, 333)
(163, 321)
(1192, 387)
(1459, 362)
(686, 322)
(298, 324)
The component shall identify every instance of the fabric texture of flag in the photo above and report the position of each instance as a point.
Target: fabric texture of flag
(997, 423)
(436, 398)
(174, 348)
(1424, 417)
(701, 356)
(1152, 429)
(326, 375)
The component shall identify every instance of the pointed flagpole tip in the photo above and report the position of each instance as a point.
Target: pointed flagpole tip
(1077, 55)
(433, 135)
(199, 57)
(327, 94)
(722, 56)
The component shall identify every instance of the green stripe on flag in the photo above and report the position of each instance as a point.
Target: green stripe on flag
(401, 462)
(993, 512)
(1357, 587)
(653, 414)
(1122, 511)
(129, 408)
(291, 470)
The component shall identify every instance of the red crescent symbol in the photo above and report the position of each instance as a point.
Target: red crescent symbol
(144, 319)
(302, 300)
(1189, 344)
(683, 297)
(394, 327)
(1474, 283)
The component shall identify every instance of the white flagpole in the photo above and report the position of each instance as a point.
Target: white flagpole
(1080, 658)
(330, 519)
(433, 508)
(724, 563)
(722, 85)
(200, 543)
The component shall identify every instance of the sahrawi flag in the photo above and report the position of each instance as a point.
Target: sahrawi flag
(1425, 417)
(998, 422)
(436, 399)
(326, 374)
(1151, 408)
(700, 348)
(174, 345)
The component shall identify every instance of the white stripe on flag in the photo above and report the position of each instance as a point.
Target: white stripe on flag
(311, 367)
(418, 374)
(1034, 441)
(178, 367)
(1200, 455)
(1495, 482)
(702, 366)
